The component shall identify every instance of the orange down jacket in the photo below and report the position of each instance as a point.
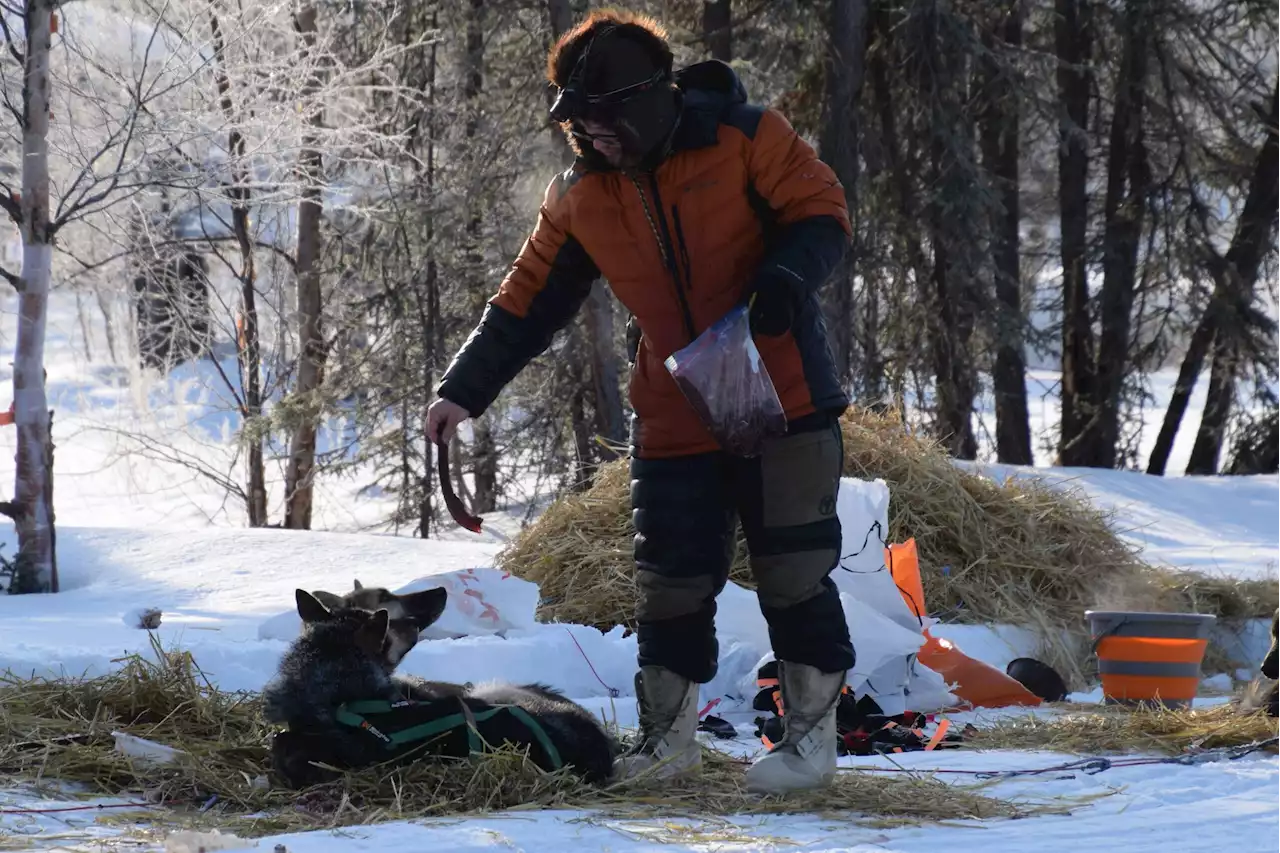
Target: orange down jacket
(740, 200)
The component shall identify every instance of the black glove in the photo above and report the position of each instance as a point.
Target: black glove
(773, 309)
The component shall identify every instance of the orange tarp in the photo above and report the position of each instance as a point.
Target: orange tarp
(976, 683)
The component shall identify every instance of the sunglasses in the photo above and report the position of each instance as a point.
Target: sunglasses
(572, 103)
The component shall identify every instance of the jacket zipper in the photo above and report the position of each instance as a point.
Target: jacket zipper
(684, 249)
(667, 251)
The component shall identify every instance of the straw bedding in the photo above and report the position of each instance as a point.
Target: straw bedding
(1095, 729)
(62, 730)
(1019, 552)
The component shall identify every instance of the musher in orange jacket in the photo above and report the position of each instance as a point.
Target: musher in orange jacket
(688, 199)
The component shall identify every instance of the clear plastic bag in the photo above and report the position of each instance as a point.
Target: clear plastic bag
(723, 377)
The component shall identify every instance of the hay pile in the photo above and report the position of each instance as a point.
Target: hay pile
(1095, 729)
(62, 730)
(1020, 552)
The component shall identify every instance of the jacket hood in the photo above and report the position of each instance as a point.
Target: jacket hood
(711, 86)
(709, 90)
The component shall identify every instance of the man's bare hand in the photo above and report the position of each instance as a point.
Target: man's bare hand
(443, 419)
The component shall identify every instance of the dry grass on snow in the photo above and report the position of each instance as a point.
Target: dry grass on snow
(1111, 729)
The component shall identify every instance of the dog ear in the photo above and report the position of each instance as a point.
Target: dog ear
(310, 608)
(425, 607)
(358, 586)
(328, 599)
(372, 635)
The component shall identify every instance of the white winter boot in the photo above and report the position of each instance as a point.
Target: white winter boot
(806, 756)
(668, 706)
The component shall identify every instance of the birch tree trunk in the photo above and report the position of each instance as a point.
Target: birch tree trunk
(33, 510)
(311, 348)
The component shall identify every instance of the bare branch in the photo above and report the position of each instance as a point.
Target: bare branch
(9, 40)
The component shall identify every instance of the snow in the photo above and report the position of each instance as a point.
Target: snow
(151, 531)
(1165, 807)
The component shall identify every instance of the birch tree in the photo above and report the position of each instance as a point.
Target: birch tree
(74, 168)
(32, 510)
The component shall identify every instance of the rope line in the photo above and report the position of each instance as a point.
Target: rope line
(79, 808)
(1090, 766)
(613, 692)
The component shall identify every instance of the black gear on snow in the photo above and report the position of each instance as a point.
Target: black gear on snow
(862, 727)
(1038, 677)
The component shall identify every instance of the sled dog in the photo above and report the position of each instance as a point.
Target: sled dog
(341, 702)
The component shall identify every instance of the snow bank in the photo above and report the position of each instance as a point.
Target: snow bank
(1218, 526)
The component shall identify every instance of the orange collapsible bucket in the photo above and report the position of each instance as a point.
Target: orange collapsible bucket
(1149, 658)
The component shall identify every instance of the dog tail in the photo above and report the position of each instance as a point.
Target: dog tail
(546, 692)
(588, 747)
(1261, 694)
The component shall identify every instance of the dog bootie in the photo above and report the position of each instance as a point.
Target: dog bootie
(668, 745)
(805, 757)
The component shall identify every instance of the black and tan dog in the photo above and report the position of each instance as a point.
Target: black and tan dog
(342, 703)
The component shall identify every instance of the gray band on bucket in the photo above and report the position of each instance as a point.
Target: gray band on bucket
(1152, 630)
(1159, 626)
(1153, 670)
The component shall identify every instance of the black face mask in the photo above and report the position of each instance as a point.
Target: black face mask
(641, 115)
(642, 125)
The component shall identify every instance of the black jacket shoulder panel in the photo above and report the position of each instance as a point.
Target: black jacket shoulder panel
(711, 91)
(744, 117)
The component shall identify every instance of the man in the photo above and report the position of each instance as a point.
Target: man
(688, 200)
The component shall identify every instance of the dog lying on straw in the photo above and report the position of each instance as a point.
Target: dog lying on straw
(343, 705)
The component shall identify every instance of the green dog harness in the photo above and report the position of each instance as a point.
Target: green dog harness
(356, 715)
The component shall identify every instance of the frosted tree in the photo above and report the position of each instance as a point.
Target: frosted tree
(77, 161)
(295, 167)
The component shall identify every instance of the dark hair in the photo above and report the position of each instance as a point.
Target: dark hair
(640, 29)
